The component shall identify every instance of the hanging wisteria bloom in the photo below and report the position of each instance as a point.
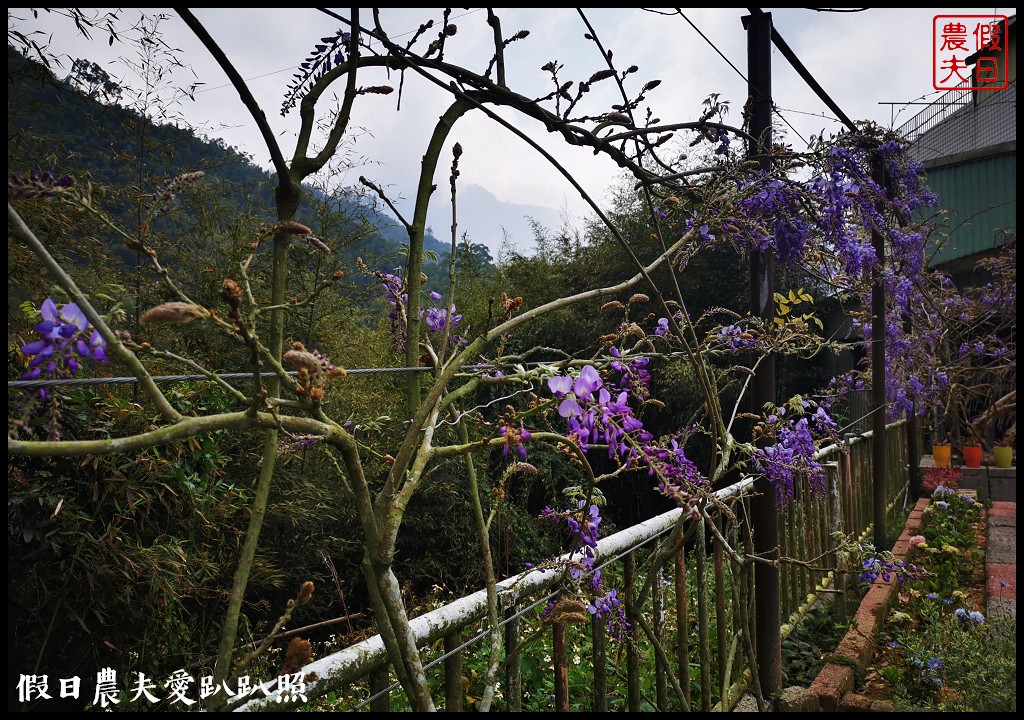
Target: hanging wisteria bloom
(66, 337)
(584, 523)
(793, 455)
(434, 318)
(514, 439)
(398, 298)
(634, 376)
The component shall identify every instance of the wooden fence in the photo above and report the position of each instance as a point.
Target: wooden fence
(688, 602)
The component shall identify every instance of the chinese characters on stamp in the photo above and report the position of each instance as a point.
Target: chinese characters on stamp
(969, 52)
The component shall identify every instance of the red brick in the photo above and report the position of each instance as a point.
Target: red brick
(852, 702)
(1003, 509)
(832, 683)
(1008, 574)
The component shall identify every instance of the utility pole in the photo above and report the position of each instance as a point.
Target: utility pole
(913, 445)
(765, 520)
(878, 445)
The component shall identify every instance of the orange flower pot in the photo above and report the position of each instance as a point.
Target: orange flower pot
(972, 456)
(941, 455)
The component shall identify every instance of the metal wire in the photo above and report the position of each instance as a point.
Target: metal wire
(54, 382)
(28, 384)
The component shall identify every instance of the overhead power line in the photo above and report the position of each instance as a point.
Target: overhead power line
(806, 75)
(737, 71)
(52, 382)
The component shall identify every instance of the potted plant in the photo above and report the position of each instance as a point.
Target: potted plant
(941, 452)
(1002, 452)
(972, 452)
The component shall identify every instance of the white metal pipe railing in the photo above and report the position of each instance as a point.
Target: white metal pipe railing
(339, 670)
(342, 668)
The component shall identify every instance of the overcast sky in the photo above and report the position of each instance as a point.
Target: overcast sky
(864, 60)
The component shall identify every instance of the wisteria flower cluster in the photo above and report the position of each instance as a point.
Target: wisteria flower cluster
(594, 416)
(734, 338)
(888, 569)
(397, 298)
(66, 338)
(583, 522)
(436, 319)
(827, 224)
(514, 439)
(328, 53)
(609, 606)
(793, 454)
(633, 376)
(36, 184)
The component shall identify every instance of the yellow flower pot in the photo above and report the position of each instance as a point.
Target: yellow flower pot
(1003, 455)
(941, 454)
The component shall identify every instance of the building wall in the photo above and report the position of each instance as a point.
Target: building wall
(981, 193)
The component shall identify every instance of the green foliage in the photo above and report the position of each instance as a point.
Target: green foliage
(806, 650)
(149, 537)
(62, 125)
(562, 265)
(945, 664)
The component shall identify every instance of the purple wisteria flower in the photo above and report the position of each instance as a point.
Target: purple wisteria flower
(603, 605)
(875, 567)
(595, 415)
(36, 184)
(584, 523)
(734, 338)
(514, 438)
(560, 385)
(723, 142)
(632, 374)
(436, 318)
(66, 337)
(398, 298)
(609, 606)
(792, 455)
(571, 393)
(707, 238)
(587, 383)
